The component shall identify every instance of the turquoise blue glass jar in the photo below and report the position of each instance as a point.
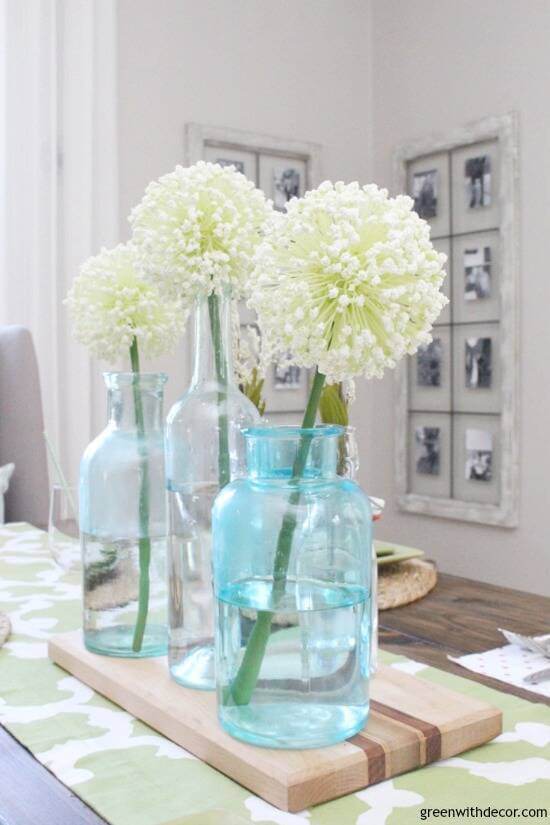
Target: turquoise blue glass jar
(123, 522)
(292, 569)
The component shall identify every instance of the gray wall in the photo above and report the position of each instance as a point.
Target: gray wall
(438, 65)
(359, 78)
(290, 69)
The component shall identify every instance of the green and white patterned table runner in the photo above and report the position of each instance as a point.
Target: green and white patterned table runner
(132, 776)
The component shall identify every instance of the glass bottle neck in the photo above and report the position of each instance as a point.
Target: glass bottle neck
(134, 401)
(213, 360)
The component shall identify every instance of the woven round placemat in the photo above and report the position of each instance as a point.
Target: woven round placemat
(404, 582)
(5, 628)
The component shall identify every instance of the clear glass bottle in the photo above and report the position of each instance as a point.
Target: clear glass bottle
(123, 522)
(204, 451)
(292, 584)
(348, 467)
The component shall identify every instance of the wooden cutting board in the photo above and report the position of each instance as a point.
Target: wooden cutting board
(412, 723)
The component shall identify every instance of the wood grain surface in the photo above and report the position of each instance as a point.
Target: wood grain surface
(411, 723)
(31, 795)
(461, 616)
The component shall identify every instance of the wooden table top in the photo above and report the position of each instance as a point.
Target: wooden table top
(459, 616)
(463, 616)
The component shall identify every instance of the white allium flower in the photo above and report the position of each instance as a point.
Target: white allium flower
(248, 356)
(348, 281)
(246, 348)
(111, 304)
(197, 229)
(348, 392)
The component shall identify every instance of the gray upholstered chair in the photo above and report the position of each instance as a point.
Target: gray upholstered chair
(22, 427)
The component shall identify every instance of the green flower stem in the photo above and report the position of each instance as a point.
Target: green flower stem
(221, 375)
(334, 410)
(245, 681)
(144, 540)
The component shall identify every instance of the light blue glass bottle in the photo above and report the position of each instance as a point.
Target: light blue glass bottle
(205, 450)
(123, 522)
(292, 568)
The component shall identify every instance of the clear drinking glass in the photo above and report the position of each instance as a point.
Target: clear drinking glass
(292, 569)
(123, 522)
(348, 467)
(63, 540)
(204, 451)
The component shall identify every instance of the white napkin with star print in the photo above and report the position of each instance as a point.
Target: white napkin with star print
(510, 664)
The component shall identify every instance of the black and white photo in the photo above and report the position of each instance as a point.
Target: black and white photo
(478, 363)
(238, 164)
(428, 450)
(477, 273)
(478, 181)
(479, 455)
(425, 193)
(286, 185)
(286, 388)
(428, 364)
(286, 377)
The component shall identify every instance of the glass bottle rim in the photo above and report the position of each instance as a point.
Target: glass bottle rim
(292, 431)
(116, 380)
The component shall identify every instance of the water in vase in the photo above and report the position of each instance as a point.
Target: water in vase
(111, 590)
(191, 617)
(314, 672)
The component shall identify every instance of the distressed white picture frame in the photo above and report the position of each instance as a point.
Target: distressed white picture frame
(201, 139)
(505, 512)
